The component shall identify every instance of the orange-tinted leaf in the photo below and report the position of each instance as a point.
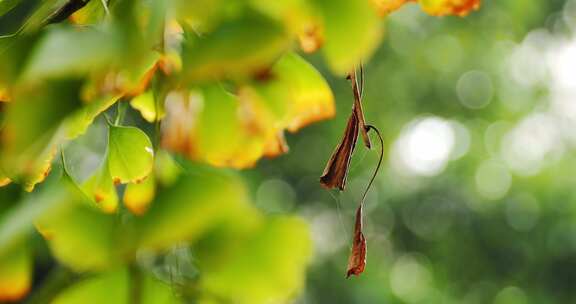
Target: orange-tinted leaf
(137, 197)
(449, 7)
(357, 260)
(15, 274)
(311, 38)
(385, 7)
(336, 169)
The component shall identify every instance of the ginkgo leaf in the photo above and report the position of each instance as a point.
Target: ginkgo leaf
(385, 7)
(310, 98)
(138, 196)
(117, 286)
(81, 228)
(194, 205)
(31, 131)
(77, 124)
(449, 7)
(268, 265)
(130, 154)
(72, 51)
(235, 49)
(149, 108)
(351, 30)
(100, 188)
(15, 273)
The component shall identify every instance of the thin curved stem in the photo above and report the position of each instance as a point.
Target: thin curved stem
(368, 128)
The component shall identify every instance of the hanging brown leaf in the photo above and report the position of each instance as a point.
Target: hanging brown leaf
(357, 260)
(336, 169)
(357, 88)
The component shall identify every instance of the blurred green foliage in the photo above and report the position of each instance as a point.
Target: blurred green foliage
(118, 124)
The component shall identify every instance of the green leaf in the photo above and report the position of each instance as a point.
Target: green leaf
(130, 154)
(146, 104)
(79, 122)
(193, 206)
(71, 51)
(7, 5)
(235, 49)
(15, 273)
(100, 188)
(352, 32)
(138, 196)
(32, 123)
(118, 287)
(269, 265)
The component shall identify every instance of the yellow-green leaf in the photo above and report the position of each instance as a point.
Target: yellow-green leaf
(117, 287)
(267, 266)
(138, 196)
(235, 49)
(100, 188)
(130, 154)
(15, 273)
(352, 32)
(146, 104)
(193, 206)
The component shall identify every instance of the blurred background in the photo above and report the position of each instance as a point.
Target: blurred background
(475, 202)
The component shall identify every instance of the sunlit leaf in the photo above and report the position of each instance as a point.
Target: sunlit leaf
(194, 205)
(268, 266)
(31, 131)
(449, 7)
(118, 287)
(77, 124)
(148, 107)
(67, 51)
(138, 196)
(352, 31)
(15, 273)
(130, 154)
(100, 188)
(222, 129)
(385, 7)
(236, 48)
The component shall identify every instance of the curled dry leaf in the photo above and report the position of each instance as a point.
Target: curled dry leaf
(336, 171)
(357, 259)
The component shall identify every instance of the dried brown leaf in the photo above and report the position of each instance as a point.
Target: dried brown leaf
(357, 260)
(336, 170)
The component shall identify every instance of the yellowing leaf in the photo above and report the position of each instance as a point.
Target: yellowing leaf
(117, 287)
(268, 266)
(449, 7)
(352, 32)
(194, 205)
(100, 188)
(235, 49)
(77, 124)
(30, 133)
(146, 104)
(385, 7)
(226, 130)
(81, 237)
(15, 273)
(310, 97)
(138, 196)
(130, 154)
